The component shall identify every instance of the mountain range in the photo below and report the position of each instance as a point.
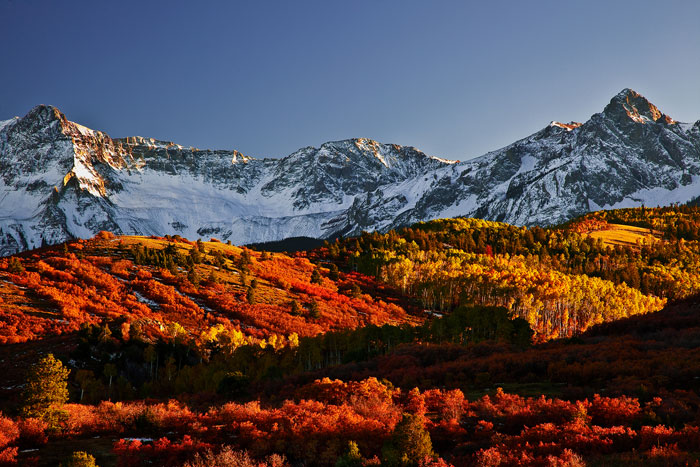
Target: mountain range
(61, 180)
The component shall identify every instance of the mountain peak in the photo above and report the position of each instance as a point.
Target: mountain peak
(44, 111)
(42, 115)
(628, 103)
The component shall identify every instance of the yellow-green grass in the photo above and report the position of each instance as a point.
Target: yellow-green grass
(625, 235)
(162, 243)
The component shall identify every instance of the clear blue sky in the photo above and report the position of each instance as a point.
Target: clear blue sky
(453, 78)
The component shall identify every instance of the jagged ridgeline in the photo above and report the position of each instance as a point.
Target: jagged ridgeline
(561, 280)
(60, 180)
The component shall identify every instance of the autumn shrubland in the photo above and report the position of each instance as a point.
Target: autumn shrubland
(455, 341)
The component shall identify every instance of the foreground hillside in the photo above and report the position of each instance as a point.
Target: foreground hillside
(457, 341)
(170, 293)
(621, 394)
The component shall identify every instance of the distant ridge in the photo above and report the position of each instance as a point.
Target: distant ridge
(60, 180)
(290, 245)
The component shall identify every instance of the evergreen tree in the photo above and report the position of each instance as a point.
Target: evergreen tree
(234, 384)
(193, 277)
(195, 256)
(15, 266)
(46, 391)
(333, 272)
(245, 258)
(172, 267)
(316, 276)
(351, 458)
(409, 443)
(314, 311)
(219, 260)
(250, 295)
(212, 279)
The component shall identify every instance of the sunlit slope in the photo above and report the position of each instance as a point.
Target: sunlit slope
(625, 235)
(174, 288)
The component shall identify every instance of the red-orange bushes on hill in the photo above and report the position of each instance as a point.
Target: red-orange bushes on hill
(607, 411)
(519, 411)
(450, 405)
(312, 431)
(175, 306)
(328, 413)
(121, 268)
(19, 327)
(294, 274)
(229, 306)
(99, 287)
(587, 225)
(160, 452)
(32, 432)
(259, 320)
(119, 418)
(336, 311)
(274, 319)
(687, 438)
(342, 308)
(94, 291)
(9, 434)
(285, 268)
(169, 299)
(50, 273)
(82, 292)
(88, 275)
(338, 392)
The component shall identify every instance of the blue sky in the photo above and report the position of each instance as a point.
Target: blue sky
(453, 78)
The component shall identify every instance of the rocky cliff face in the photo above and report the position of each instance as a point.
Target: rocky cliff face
(61, 180)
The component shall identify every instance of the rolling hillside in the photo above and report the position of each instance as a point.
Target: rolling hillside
(512, 345)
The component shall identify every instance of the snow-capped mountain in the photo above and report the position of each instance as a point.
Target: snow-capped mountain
(631, 154)
(61, 180)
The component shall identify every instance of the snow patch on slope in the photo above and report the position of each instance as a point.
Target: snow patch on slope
(4, 123)
(659, 196)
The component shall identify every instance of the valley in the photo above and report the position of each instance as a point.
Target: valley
(499, 337)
